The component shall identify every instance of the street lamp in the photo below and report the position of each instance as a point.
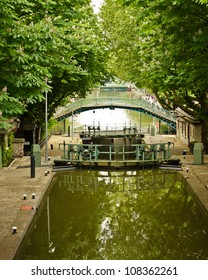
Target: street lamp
(46, 125)
(46, 121)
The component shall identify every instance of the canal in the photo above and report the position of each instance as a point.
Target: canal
(117, 214)
(123, 215)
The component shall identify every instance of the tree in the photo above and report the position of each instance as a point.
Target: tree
(119, 31)
(169, 52)
(54, 41)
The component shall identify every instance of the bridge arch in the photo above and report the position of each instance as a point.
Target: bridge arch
(139, 105)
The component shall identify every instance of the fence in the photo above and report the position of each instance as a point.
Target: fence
(94, 153)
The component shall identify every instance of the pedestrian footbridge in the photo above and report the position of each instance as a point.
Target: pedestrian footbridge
(135, 104)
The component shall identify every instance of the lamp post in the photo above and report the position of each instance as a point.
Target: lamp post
(46, 126)
(46, 122)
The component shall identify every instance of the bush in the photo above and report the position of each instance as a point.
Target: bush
(7, 149)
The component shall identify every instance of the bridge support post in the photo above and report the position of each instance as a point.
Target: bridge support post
(72, 131)
(64, 125)
(153, 130)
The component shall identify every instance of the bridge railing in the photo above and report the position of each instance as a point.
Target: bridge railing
(116, 153)
(135, 104)
(117, 181)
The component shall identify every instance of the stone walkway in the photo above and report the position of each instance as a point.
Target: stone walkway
(16, 181)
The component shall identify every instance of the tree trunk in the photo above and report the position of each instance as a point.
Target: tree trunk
(37, 134)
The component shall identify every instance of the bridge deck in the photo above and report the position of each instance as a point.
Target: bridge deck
(135, 104)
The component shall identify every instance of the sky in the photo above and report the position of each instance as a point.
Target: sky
(96, 4)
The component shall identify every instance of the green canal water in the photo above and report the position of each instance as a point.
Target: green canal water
(120, 215)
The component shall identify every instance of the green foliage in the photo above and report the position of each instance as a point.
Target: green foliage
(55, 41)
(166, 43)
(119, 29)
(10, 106)
(7, 149)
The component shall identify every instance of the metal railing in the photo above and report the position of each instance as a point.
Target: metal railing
(141, 105)
(117, 181)
(92, 153)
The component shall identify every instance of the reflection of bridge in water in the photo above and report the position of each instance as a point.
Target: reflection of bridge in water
(135, 104)
(134, 180)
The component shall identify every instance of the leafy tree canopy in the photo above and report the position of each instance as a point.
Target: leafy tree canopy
(52, 46)
(166, 42)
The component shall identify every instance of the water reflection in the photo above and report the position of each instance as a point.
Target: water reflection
(140, 214)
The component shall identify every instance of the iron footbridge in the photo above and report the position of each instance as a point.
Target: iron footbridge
(135, 104)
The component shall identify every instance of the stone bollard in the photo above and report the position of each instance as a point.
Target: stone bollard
(198, 152)
(36, 152)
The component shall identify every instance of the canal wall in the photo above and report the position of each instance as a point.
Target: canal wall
(16, 181)
(195, 176)
(196, 182)
(20, 200)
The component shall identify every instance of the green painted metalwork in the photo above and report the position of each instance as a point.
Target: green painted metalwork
(136, 153)
(117, 181)
(139, 105)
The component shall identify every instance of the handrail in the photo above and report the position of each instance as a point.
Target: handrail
(136, 104)
(122, 153)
